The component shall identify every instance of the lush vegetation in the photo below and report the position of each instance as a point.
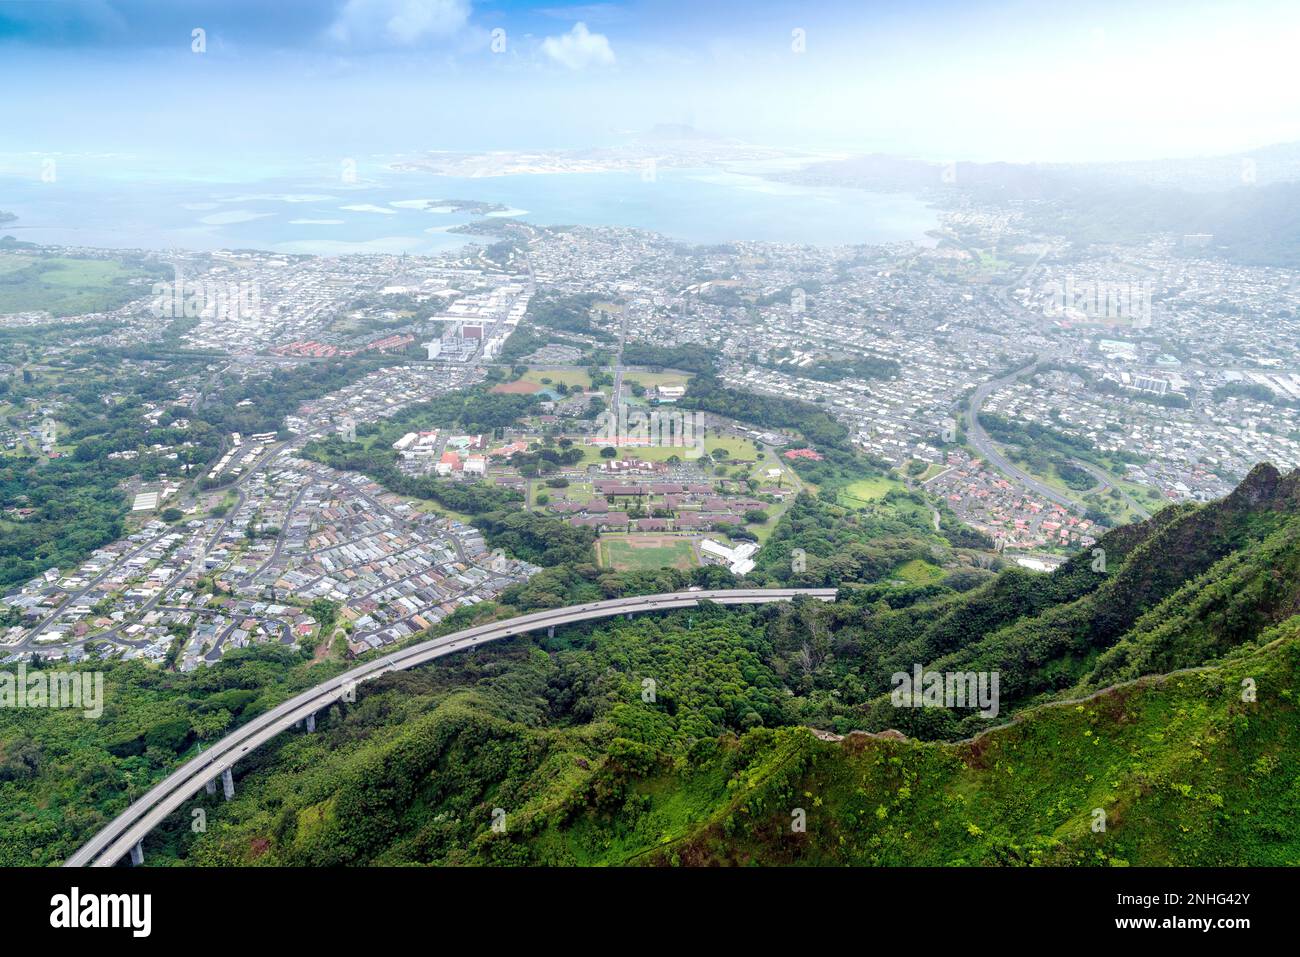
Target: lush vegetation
(835, 369)
(73, 285)
(683, 738)
(692, 358)
(76, 498)
(565, 313)
(580, 759)
(1254, 391)
(815, 424)
(822, 544)
(62, 775)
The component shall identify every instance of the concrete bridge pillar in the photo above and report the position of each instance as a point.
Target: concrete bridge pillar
(629, 616)
(211, 786)
(550, 631)
(228, 783)
(311, 722)
(137, 854)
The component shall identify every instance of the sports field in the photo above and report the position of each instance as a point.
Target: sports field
(518, 387)
(645, 552)
(649, 379)
(569, 377)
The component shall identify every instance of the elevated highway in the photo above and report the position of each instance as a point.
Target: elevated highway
(125, 833)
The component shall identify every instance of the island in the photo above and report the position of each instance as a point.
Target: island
(472, 206)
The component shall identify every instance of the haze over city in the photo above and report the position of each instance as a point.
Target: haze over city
(852, 438)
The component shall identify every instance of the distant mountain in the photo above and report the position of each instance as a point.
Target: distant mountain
(1249, 203)
(1253, 225)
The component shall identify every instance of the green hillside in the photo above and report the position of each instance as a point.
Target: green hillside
(1183, 769)
(1156, 688)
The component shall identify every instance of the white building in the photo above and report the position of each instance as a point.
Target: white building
(737, 559)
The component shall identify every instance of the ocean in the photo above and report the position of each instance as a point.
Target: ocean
(110, 203)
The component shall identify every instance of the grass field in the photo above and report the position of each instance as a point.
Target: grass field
(591, 453)
(918, 572)
(433, 508)
(570, 377)
(736, 449)
(649, 379)
(64, 286)
(645, 552)
(931, 470)
(575, 491)
(865, 491)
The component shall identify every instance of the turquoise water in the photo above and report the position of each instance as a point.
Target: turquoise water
(96, 205)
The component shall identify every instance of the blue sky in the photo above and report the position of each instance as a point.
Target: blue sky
(945, 80)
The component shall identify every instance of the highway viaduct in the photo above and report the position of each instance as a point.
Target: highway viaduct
(125, 833)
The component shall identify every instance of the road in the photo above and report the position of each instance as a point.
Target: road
(117, 838)
(248, 579)
(979, 439)
(1106, 482)
(616, 396)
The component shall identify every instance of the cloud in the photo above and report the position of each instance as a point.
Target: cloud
(590, 12)
(379, 23)
(579, 48)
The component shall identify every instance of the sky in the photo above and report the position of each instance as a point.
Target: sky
(937, 79)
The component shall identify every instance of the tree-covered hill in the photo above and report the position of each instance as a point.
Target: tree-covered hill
(1152, 681)
(560, 750)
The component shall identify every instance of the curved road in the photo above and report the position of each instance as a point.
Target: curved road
(1106, 482)
(117, 838)
(980, 440)
(985, 446)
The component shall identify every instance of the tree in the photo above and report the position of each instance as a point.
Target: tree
(325, 612)
(608, 452)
